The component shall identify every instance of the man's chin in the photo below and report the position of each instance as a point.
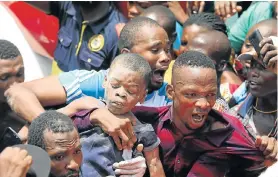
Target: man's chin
(155, 86)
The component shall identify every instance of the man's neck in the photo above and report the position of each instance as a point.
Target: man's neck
(94, 12)
(179, 124)
(268, 103)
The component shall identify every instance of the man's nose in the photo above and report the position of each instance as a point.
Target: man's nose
(203, 104)
(121, 92)
(73, 165)
(134, 11)
(165, 58)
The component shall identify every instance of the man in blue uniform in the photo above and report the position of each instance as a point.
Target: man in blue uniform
(87, 37)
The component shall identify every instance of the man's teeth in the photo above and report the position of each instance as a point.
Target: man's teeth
(198, 118)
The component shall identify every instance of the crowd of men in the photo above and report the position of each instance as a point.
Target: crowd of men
(166, 91)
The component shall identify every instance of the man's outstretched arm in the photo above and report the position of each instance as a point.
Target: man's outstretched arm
(28, 99)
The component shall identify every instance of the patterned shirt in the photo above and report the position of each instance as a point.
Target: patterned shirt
(221, 148)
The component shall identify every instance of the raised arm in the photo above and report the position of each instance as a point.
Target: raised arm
(84, 103)
(27, 99)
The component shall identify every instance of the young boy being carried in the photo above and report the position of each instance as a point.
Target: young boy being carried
(125, 86)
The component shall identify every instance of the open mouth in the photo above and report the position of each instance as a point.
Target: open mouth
(253, 84)
(73, 175)
(117, 104)
(158, 75)
(198, 118)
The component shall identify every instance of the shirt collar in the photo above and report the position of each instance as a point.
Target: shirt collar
(216, 136)
(72, 11)
(246, 105)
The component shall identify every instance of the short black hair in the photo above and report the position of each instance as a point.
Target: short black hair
(53, 121)
(131, 32)
(193, 59)
(8, 50)
(133, 62)
(207, 20)
(165, 17)
(220, 51)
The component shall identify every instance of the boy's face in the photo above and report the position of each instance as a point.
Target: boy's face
(124, 89)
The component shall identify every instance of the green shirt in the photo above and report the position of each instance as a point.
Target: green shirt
(257, 12)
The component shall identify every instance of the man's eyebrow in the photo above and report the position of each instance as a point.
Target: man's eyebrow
(156, 43)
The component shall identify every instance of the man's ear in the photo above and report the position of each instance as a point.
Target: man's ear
(104, 84)
(170, 91)
(125, 50)
(142, 100)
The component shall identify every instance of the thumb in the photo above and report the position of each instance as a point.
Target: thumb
(238, 8)
(140, 147)
(258, 141)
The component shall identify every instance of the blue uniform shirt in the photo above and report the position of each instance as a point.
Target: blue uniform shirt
(85, 45)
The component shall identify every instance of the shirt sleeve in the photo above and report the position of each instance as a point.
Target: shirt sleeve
(78, 83)
(146, 136)
(255, 13)
(82, 120)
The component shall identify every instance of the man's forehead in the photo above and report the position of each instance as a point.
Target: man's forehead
(193, 74)
(53, 139)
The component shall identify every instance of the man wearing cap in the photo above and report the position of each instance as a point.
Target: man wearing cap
(87, 36)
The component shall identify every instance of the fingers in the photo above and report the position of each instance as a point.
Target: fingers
(117, 141)
(233, 6)
(270, 146)
(264, 143)
(258, 141)
(202, 6)
(18, 161)
(131, 135)
(227, 9)
(140, 147)
(273, 153)
(127, 172)
(272, 64)
(238, 9)
(271, 58)
(269, 53)
(266, 48)
(265, 40)
(222, 9)
(131, 164)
